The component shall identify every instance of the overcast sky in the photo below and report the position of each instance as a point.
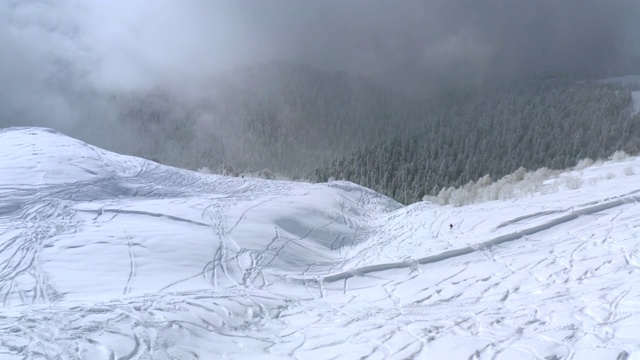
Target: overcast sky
(53, 48)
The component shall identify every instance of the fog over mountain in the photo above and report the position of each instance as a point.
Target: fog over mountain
(65, 61)
(124, 44)
(449, 197)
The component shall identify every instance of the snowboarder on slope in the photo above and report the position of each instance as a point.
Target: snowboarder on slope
(450, 226)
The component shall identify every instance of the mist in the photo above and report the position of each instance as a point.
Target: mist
(61, 58)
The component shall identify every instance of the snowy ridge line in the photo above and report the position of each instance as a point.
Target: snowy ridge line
(551, 212)
(479, 246)
(146, 213)
(525, 217)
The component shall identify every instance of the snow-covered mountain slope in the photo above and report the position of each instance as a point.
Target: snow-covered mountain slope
(104, 256)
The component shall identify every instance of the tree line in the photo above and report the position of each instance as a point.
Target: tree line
(303, 123)
(494, 131)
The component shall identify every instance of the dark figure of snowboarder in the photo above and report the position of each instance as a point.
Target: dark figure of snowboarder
(450, 226)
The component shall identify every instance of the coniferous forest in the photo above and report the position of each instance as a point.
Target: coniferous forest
(406, 98)
(303, 123)
(494, 131)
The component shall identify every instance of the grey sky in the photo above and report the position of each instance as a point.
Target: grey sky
(52, 49)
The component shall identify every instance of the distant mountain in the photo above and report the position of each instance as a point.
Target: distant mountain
(293, 116)
(307, 123)
(280, 116)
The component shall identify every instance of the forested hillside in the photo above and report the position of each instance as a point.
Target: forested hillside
(301, 122)
(494, 130)
(279, 116)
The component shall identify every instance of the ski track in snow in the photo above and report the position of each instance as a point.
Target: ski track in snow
(128, 259)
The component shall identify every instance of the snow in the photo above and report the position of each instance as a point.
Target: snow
(105, 256)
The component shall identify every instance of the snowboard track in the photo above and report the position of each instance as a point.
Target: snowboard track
(572, 215)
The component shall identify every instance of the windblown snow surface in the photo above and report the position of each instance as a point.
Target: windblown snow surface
(104, 256)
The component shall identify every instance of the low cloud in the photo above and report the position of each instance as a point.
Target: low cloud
(54, 51)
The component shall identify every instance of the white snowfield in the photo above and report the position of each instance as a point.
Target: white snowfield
(104, 256)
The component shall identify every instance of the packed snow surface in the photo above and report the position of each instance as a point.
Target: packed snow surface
(104, 256)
